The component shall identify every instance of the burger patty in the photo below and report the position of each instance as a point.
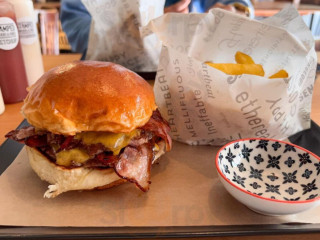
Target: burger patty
(133, 163)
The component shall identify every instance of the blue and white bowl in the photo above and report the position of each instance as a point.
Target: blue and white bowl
(269, 176)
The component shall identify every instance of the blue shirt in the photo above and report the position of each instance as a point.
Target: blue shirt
(76, 20)
(202, 6)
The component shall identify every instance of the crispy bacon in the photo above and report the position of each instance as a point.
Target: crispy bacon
(133, 163)
(36, 141)
(66, 143)
(21, 134)
(102, 160)
(143, 138)
(159, 127)
(93, 149)
(55, 139)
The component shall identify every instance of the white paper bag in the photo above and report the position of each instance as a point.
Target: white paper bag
(114, 33)
(206, 106)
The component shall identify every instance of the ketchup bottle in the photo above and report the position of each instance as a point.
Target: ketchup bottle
(29, 39)
(13, 78)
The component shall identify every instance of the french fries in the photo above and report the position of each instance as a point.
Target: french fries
(281, 74)
(238, 69)
(245, 65)
(242, 58)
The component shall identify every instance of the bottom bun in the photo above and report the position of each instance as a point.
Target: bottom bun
(65, 179)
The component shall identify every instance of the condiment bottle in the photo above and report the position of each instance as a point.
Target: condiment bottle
(1, 103)
(13, 79)
(29, 39)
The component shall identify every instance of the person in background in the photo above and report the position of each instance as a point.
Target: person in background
(76, 20)
(313, 21)
(201, 6)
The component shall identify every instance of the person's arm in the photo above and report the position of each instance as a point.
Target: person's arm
(206, 5)
(75, 21)
(180, 6)
(246, 3)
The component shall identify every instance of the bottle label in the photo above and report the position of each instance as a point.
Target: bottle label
(9, 36)
(27, 30)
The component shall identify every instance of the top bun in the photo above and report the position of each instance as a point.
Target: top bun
(89, 96)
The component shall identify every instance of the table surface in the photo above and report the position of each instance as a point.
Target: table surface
(266, 9)
(11, 118)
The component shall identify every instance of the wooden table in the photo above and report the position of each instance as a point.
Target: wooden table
(11, 118)
(266, 9)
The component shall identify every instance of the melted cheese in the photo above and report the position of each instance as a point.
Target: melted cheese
(113, 141)
(66, 157)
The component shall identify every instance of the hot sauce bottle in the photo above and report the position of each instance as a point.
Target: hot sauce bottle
(29, 39)
(13, 78)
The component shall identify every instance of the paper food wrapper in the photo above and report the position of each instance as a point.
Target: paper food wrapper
(115, 37)
(206, 106)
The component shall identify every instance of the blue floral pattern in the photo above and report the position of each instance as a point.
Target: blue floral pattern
(309, 187)
(230, 157)
(289, 148)
(289, 177)
(258, 159)
(304, 158)
(273, 161)
(246, 152)
(312, 196)
(307, 173)
(276, 146)
(238, 179)
(273, 188)
(318, 168)
(226, 169)
(241, 167)
(255, 185)
(291, 190)
(272, 169)
(292, 199)
(272, 177)
(255, 173)
(263, 144)
(289, 162)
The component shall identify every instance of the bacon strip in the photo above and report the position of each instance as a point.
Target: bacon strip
(159, 127)
(21, 134)
(66, 143)
(134, 165)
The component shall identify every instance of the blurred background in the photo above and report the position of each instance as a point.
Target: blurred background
(48, 20)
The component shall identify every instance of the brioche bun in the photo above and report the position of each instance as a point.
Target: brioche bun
(89, 96)
(64, 179)
(92, 96)
(67, 179)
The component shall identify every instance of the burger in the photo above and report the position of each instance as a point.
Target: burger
(93, 125)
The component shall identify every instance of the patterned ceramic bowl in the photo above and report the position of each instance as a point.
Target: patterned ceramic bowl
(269, 176)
